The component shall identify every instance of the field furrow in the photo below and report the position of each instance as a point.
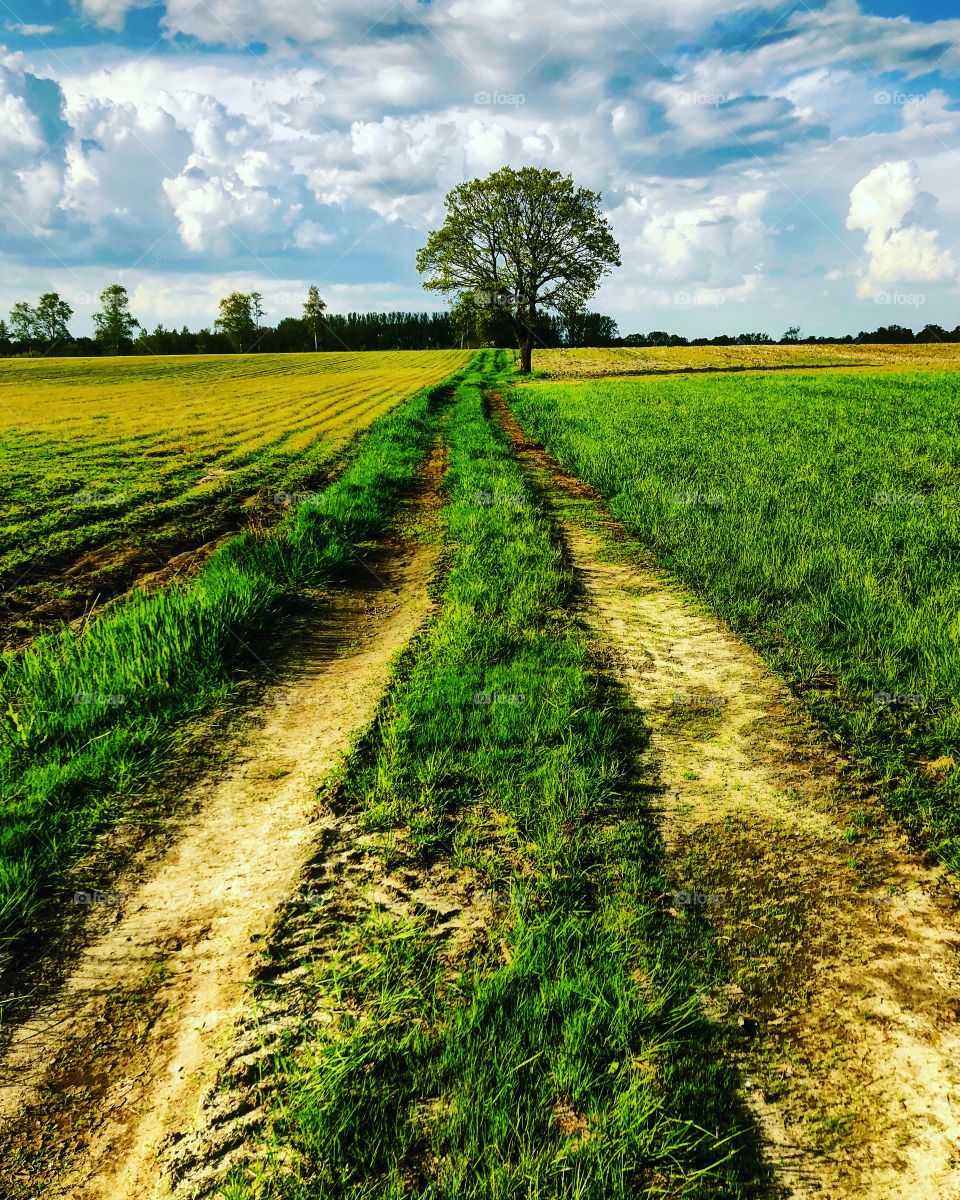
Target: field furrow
(178, 944)
(108, 470)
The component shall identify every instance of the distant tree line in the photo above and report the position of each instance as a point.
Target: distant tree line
(885, 335)
(43, 329)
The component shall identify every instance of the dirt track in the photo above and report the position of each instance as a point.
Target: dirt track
(93, 1082)
(842, 946)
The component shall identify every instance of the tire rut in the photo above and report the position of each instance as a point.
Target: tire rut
(841, 944)
(95, 1081)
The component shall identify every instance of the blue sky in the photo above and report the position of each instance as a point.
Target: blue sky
(762, 163)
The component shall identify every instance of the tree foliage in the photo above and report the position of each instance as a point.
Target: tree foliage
(521, 241)
(313, 310)
(237, 319)
(51, 318)
(23, 323)
(114, 324)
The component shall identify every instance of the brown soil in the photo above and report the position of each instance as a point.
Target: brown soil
(841, 945)
(74, 589)
(346, 886)
(96, 1079)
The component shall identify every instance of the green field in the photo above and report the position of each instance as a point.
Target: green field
(545, 1014)
(819, 515)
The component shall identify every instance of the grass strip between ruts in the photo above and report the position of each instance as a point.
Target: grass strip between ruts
(567, 1055)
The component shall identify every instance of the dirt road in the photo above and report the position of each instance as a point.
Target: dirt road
(93, 1082)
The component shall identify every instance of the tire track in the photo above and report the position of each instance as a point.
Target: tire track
(95, 1081)
(841, 945)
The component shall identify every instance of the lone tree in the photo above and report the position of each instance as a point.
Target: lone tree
(313, 311)
(236, 318)
(114, 324)
(519, 241)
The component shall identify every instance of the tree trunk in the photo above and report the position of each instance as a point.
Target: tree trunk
(526, 355)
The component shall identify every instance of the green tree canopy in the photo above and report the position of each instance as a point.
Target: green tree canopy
(23, 322)
(236, 318)
(114, 324)
(313, 311)
(519, 241)
(51, 317)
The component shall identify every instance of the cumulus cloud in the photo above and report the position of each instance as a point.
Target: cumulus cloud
(716, 243)
(719, 146)
(32, 147)
(887, 205)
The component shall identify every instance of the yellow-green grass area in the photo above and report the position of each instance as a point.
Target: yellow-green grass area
(91, 720)
(818, 513)
(170, 452)
(589, 363)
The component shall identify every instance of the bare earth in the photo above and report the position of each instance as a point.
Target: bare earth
(120, 1058)
(842, 946)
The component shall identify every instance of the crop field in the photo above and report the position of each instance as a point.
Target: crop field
(668, 360)
(111, 466)
(550, 802)
(819, 515)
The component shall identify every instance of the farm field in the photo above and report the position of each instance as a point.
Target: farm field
(589, 363)
(820, 516)
(110, 467)
(479, 601)
(518, 869)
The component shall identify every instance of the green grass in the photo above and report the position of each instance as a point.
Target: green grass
(819, 515)
(85, 720)
(566, 1055)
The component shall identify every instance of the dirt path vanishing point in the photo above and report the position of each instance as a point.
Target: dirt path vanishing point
(841, 946)
(91, 1085)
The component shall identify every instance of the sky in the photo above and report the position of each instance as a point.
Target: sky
(762, 163)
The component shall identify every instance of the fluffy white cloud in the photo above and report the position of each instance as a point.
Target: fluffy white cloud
(716, 243)
(724, 167)
(886, 204)
(32, 148)
(111, 14)
(26, 30)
